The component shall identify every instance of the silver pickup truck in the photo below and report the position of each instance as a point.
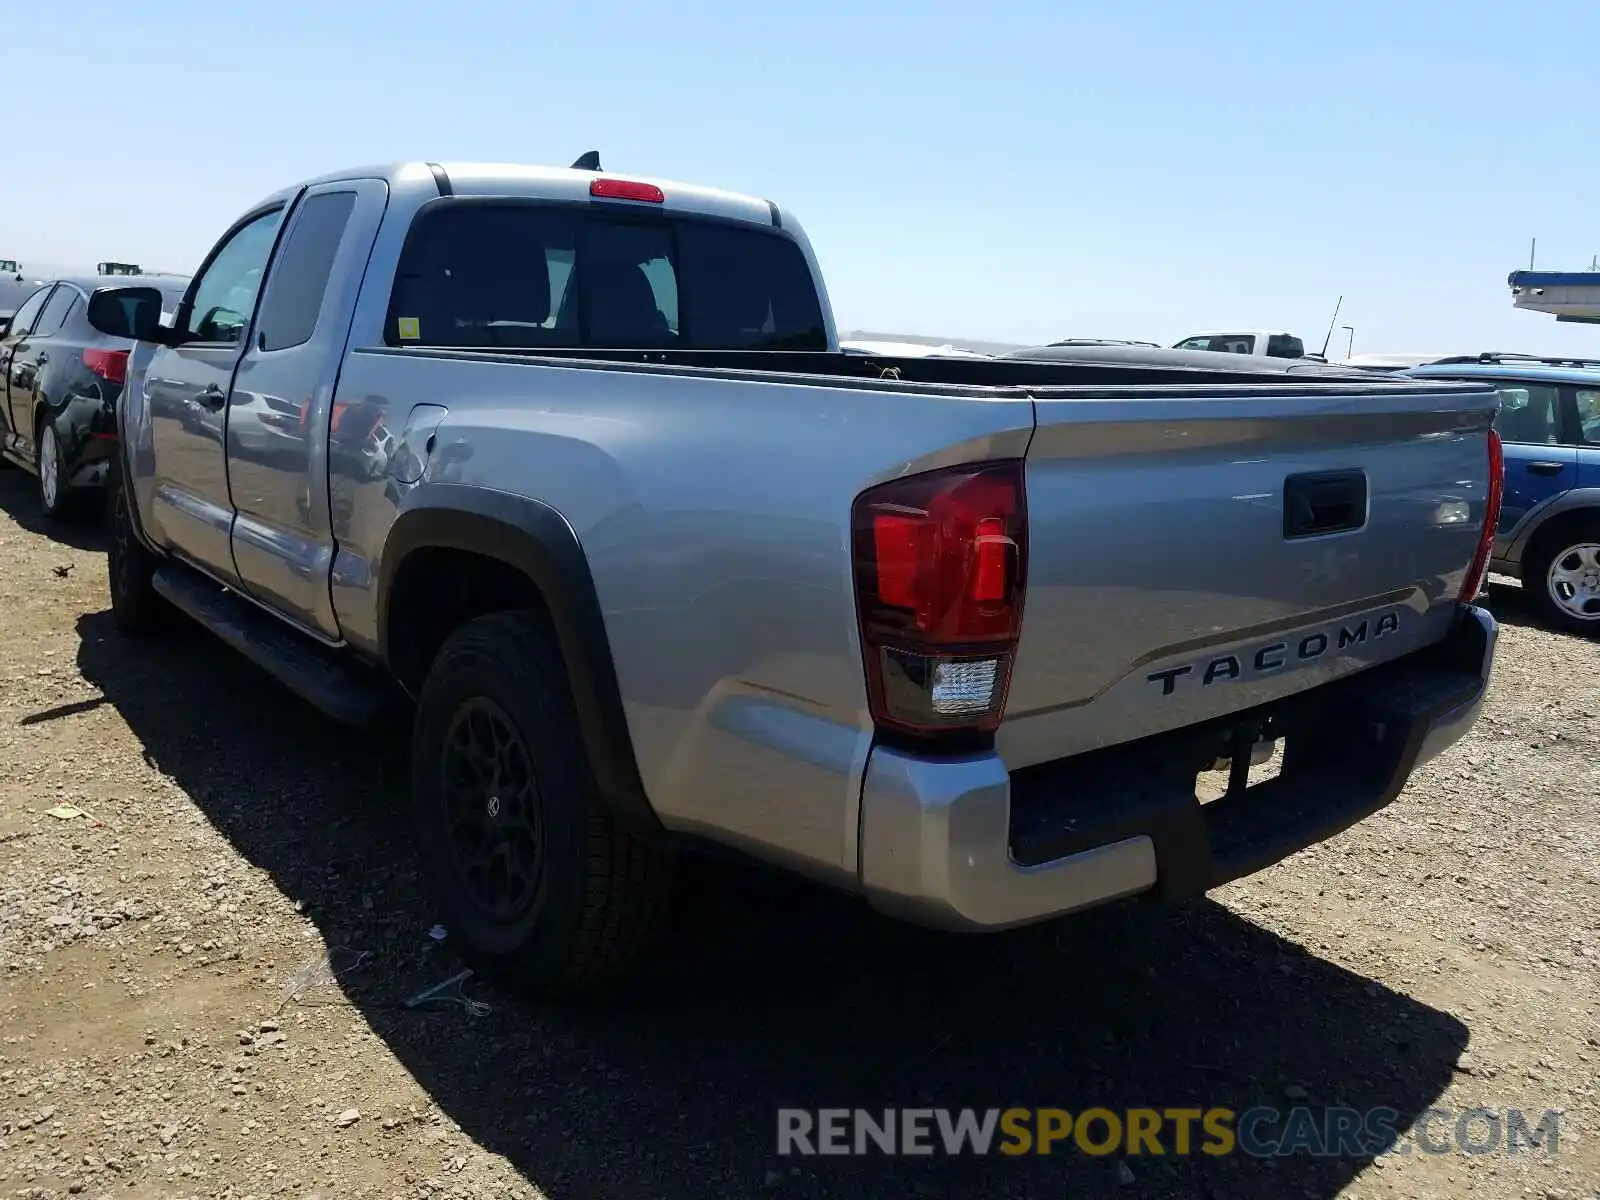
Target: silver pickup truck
(568, 469)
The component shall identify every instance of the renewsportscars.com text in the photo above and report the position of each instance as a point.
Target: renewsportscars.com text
(1258, 1132)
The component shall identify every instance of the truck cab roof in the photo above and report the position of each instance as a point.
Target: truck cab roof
(552, 183)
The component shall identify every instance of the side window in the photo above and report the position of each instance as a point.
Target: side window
(226, 293)
(55, 312)
(1528, 413)
(22, 321)
(293, 300)
(1588, 416)
(1281, 345)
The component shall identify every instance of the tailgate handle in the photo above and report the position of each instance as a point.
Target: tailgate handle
(1322, 502)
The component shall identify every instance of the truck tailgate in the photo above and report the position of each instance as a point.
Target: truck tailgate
(1191, 556)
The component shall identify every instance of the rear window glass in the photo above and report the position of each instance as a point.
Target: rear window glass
(1589, 416)
(496, 275)
(1529, 414)
(299, 280)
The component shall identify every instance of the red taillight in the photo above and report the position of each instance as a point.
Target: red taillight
(1476, 573)
(111, 365)
(626, 189)
(940, 573)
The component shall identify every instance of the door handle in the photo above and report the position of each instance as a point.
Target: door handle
(1545, 468)
(1320, 502)
(212, 397)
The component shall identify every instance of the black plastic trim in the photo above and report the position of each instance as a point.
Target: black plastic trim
(777, 217)
(1349, 750)
(1015, 379)
(322, 678)
(536, 540)
(441, 180)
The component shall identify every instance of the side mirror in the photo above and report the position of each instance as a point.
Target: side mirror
(129, 312)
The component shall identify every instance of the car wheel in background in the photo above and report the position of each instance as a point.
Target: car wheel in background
(55, 497)
(1562, 576)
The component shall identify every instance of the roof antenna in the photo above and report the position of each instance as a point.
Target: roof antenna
(589, 160)
(1329, 338)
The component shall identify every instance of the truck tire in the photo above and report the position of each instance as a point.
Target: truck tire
(543, 891)
(136, 606)
(1561, 569)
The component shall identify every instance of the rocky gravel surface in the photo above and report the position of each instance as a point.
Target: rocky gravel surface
(210, 921)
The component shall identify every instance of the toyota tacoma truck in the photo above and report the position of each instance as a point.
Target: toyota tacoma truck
(567, 470)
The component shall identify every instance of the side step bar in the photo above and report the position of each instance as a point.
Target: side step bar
(296, 662)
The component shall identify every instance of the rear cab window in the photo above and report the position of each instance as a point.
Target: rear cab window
(499, 274)
(297, 287)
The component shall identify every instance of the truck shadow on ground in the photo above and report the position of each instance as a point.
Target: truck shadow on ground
(769, 995)
(82, 527)
(1510, 605)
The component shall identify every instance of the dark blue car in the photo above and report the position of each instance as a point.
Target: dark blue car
(1549, 422)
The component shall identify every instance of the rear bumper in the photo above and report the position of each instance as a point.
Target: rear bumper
(962, 844)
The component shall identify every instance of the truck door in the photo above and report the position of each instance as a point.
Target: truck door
(279, 408)
(186, 394)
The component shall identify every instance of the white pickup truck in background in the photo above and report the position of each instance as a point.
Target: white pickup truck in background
(1267, 343)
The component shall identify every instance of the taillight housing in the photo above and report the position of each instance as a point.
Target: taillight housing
(941, 563)
(110, 365)
(1479, 570)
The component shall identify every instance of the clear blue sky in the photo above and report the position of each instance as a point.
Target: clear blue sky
(1018, 171)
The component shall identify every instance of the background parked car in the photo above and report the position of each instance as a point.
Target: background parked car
(59, 383)
(1549, 535)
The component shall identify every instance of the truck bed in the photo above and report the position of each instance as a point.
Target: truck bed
(1125, 369)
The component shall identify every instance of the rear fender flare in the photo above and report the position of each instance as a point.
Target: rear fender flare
(536, 540)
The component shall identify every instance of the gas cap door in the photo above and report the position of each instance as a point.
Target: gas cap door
(416, 442)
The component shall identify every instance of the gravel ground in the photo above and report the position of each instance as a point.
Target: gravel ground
(160, 1035)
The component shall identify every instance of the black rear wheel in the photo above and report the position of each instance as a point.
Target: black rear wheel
(544, 891)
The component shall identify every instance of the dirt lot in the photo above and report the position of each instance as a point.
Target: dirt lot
(1444, 954)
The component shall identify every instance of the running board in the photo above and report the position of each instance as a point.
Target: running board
(299, 664)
